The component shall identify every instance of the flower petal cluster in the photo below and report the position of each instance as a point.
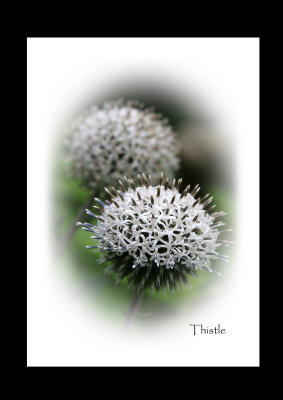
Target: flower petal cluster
(120, 138)
(156, 235)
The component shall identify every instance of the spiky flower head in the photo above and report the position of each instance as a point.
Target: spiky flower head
(121, 138)
(155, 235)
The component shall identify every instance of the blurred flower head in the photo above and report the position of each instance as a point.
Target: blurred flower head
(121, 138)
(155, 235)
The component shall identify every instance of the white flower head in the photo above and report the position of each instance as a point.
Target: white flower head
(155, 235)
(121, 138)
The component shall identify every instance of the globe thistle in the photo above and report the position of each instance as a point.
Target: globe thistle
(156, 235)
(121, 138)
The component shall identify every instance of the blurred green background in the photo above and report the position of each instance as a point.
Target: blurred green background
(206, 159)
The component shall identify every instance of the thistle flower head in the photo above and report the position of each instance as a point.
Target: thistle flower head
(121, 138)
(156, 235)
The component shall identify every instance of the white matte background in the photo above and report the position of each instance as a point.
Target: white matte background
(224, 75)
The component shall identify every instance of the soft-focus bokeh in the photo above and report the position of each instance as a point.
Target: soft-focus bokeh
(206, 159)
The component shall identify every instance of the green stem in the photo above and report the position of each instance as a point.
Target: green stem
(134, 308)
(64, 243)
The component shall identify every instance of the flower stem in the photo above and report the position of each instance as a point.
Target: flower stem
(63, 244)
(134, 308)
